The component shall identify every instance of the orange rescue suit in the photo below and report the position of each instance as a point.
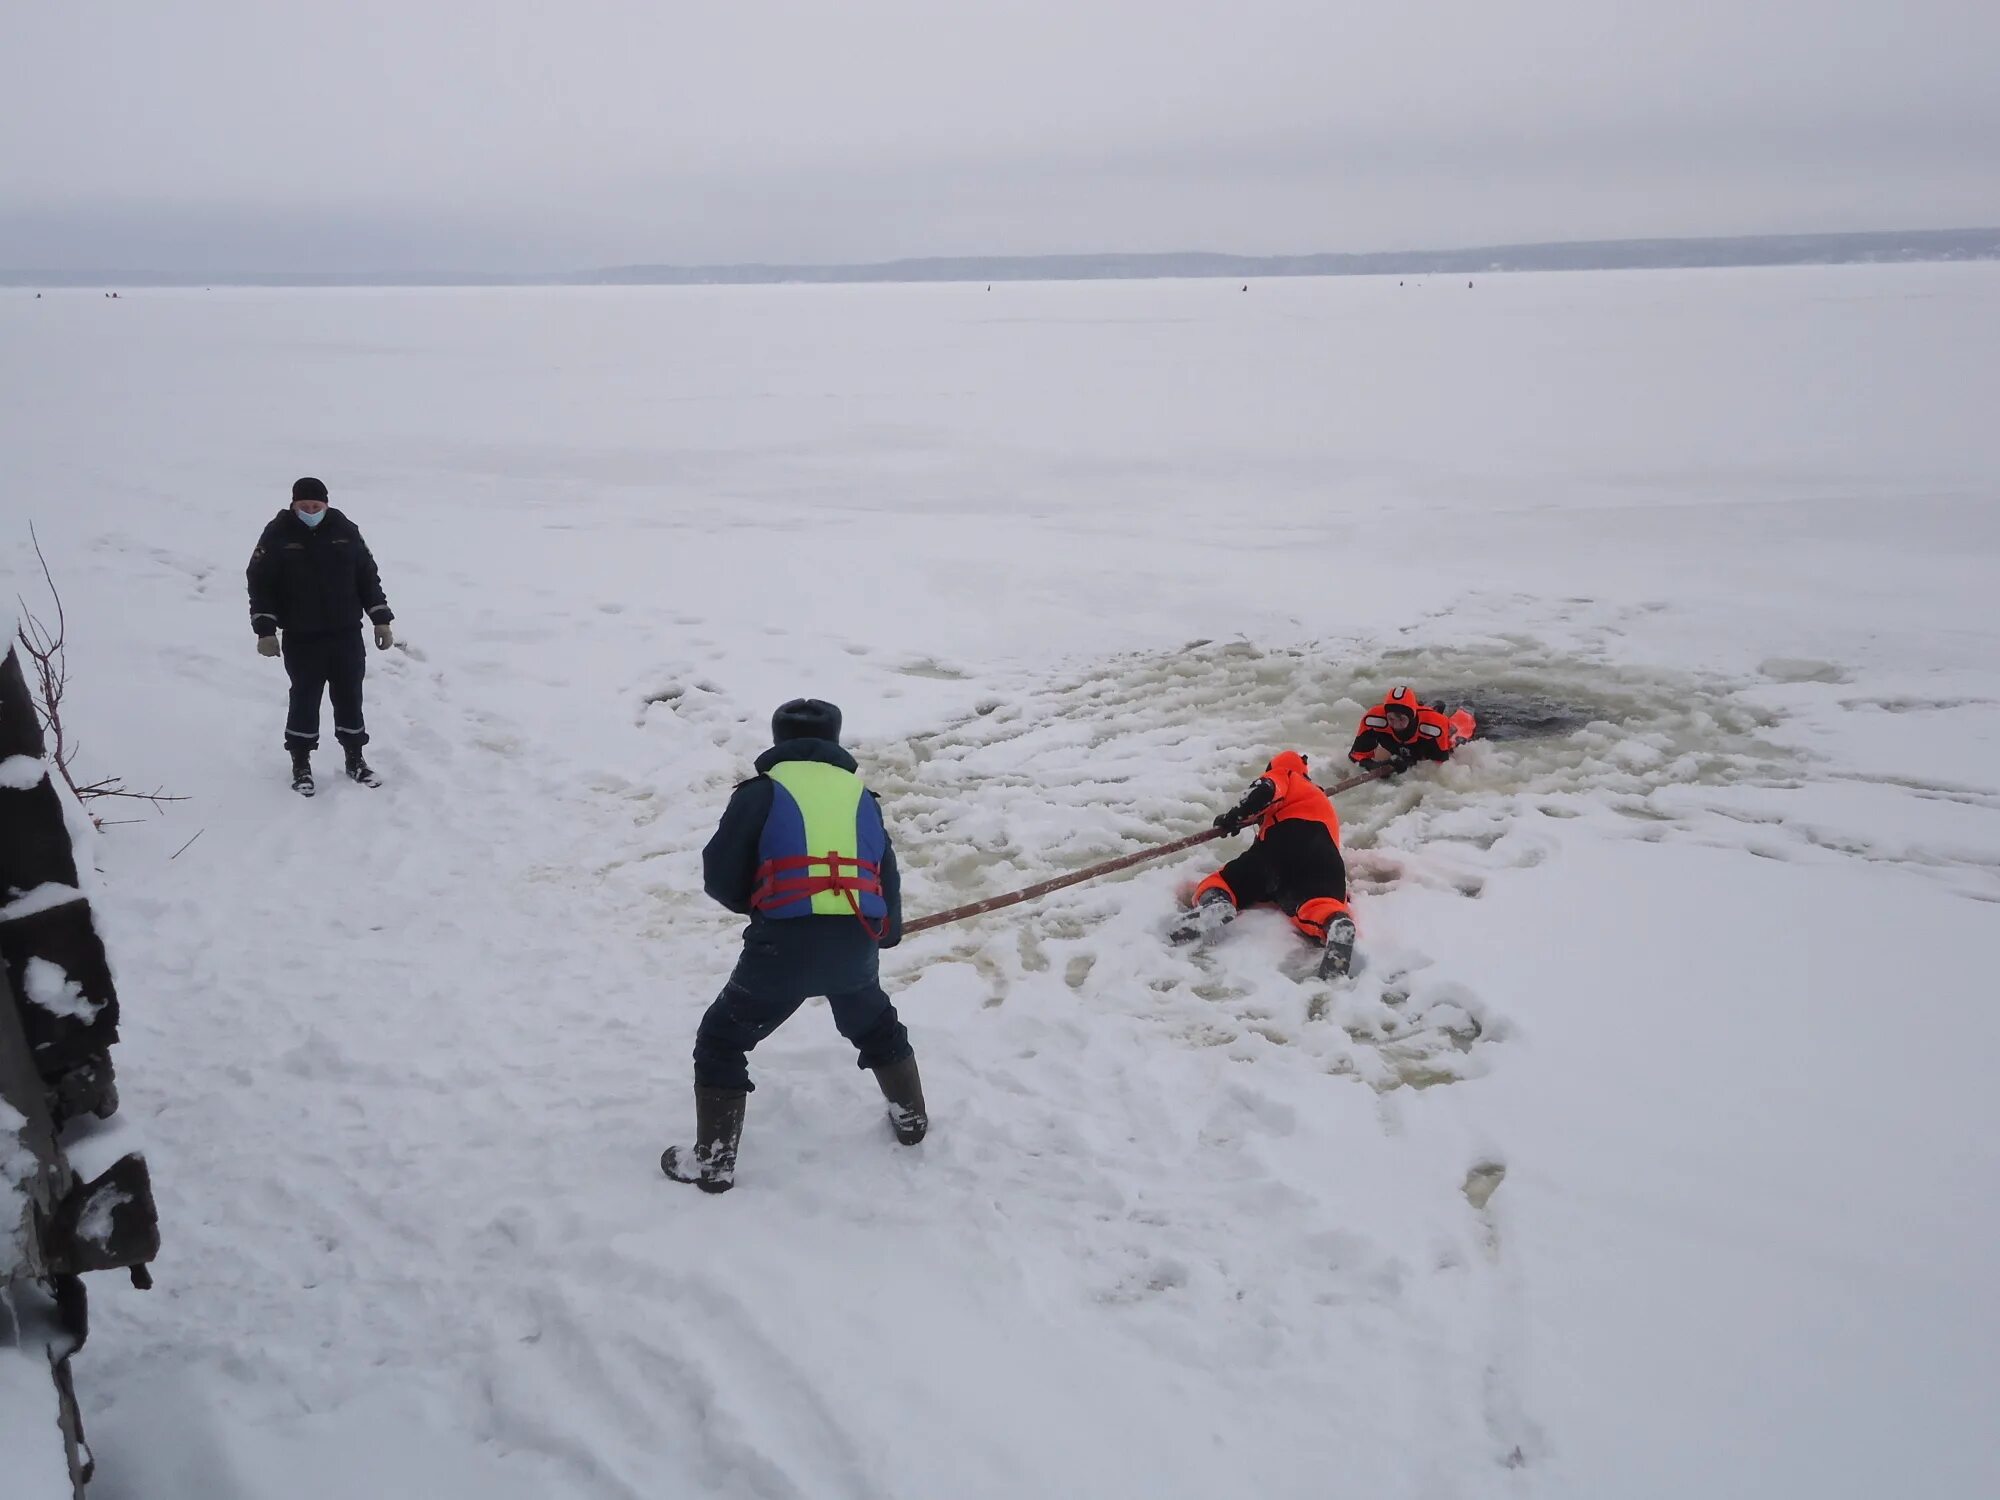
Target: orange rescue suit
(1295, 865)
(1433, 734)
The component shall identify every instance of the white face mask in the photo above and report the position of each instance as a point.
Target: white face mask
(311, 518)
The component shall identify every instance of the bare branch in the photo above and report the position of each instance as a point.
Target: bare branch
(62, 622)
(46, 650)
(114, 786)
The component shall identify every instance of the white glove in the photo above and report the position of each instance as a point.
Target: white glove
(267, 645)
(384, 637)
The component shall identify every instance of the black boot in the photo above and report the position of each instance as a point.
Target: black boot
(718, 1125)
(1337, 957)
(905, 1092)
(302, 772)
(358, 769)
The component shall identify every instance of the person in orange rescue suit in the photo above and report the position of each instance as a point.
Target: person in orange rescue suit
(1400, 731)
(1295, 865)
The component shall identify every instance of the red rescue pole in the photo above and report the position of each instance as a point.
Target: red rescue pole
(1109, 867)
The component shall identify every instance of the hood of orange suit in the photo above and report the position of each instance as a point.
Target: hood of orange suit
(1287, 763)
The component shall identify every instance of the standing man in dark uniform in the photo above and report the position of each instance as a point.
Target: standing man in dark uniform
(801, 851)
(313, 577)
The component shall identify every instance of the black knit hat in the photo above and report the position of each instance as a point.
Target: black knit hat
(806, 719)
(308, 489)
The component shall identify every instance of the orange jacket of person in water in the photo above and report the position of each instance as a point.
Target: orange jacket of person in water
(1400, 731)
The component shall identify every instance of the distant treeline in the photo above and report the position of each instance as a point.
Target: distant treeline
(1884, 247)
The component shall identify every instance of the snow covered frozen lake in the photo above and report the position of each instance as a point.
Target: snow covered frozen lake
(1707, 972)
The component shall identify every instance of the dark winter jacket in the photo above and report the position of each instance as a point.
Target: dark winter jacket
(313, 578)
(729, 862)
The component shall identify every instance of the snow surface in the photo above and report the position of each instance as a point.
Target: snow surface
(17, 1167)
(20, 772)
(38, 899)
(48, 985)
(99, 1218)
(31, 1440)
(1703, 983)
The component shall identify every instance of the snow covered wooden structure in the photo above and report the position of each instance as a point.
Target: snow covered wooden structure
(58, 1020)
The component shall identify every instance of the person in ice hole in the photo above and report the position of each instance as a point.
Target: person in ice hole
(1400, 731)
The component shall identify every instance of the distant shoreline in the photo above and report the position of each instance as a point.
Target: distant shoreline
(1887, 247)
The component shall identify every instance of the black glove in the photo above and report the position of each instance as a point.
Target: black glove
(1400, 760)
(1231, 821)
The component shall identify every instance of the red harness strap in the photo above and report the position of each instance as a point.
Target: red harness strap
(778, 885)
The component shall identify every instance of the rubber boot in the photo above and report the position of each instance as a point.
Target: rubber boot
(1210, 915)
(904, 1090)
(718, 1126)
(302, 772)
(1337, 956)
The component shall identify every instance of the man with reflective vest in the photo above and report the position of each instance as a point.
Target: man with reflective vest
(1295, 865)
(1400, 731)
(801, 851)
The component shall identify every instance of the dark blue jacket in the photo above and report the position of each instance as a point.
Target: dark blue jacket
(314, 579)
(729, 862)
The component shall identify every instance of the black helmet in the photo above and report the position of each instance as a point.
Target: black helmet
(806, 719)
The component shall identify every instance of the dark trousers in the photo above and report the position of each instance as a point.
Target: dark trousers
(783, 964)
(331, 663)
(1294, 863)
(1297, 868)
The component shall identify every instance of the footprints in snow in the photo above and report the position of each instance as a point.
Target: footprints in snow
(1767, 833)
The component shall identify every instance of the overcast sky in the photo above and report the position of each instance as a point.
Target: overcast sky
(516, 135)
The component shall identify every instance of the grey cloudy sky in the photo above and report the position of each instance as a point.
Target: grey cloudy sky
(506, 135)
